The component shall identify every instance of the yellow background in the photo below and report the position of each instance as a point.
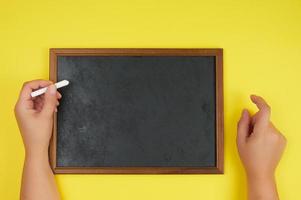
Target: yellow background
(262, 55)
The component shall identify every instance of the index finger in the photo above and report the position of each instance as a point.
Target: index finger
(28, 87)
(264, 108)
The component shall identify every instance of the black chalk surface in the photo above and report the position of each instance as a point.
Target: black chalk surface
(137, 111)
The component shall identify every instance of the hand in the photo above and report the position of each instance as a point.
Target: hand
(35, 120)
(35, 115)
(260, 146)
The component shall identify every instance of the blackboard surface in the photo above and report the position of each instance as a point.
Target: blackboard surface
(137, 111)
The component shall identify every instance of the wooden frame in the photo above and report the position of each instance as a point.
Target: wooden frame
(218, 53)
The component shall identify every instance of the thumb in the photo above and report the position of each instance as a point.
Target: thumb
(243, 127)
(50, 100)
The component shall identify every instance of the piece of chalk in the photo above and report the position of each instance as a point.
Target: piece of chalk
(43, 90)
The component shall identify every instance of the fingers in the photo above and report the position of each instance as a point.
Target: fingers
(38, 103)
(243, 127)
(28, 87)
(50, 101)
(260, 103)
(58, 95)
(264, 113)
(46, 104)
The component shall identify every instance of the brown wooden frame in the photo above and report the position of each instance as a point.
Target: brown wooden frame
(218, 53)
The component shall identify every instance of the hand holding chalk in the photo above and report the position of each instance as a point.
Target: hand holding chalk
(35, 118)
(43, 90)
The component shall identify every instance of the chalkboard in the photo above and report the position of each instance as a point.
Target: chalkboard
(138, 111)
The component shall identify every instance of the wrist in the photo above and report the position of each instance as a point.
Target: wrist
(261, 178)
(262, 175)
(37, 153)
(262, 187)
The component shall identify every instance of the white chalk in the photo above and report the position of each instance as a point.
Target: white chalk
(43, 90)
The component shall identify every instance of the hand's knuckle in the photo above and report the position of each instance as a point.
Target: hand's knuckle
(25, 83)
(283, 138)
(15, 109)
(268, 108)
(278, 138)
(237, 139)
(238, 125)
(16, 106)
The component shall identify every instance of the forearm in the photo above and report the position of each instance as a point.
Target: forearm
(38, 181)
(262, 188)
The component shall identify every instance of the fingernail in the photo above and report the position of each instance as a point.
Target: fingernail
(52, 90)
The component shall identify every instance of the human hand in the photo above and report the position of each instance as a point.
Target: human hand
(35, 115)
(260, 144)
